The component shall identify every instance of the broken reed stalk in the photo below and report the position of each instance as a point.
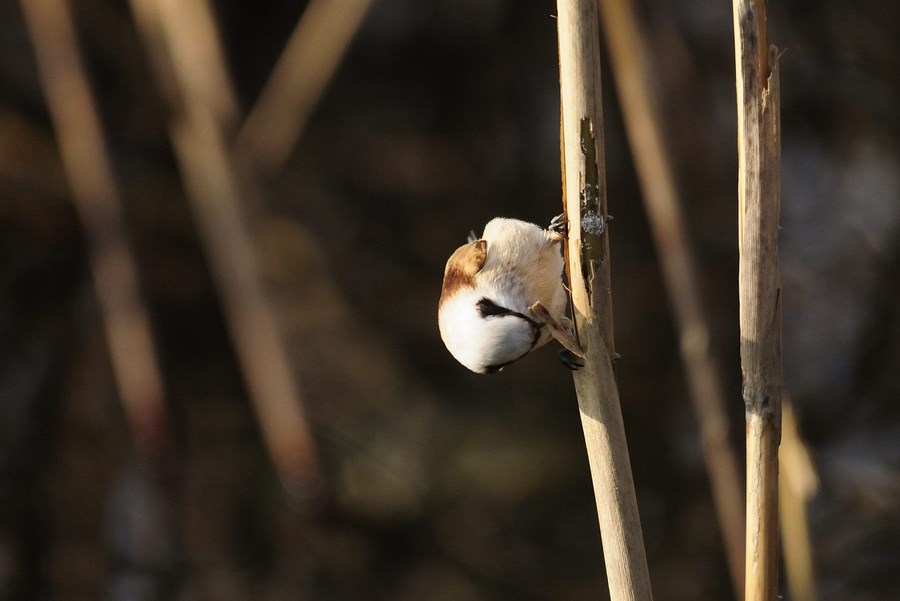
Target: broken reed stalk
(216, 193)
(759, 288)
(584, 199)
(97, 201)
(644, 126)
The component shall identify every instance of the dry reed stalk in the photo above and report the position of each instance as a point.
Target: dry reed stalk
(97, 202)
(194, 39)
(798, 484)
(644, 126)
(306, 65)
(584, 199)
(760, 288)
(216, 195)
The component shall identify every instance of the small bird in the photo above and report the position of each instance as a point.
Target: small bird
(503, 296)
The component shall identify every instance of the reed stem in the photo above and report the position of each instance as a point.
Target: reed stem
(584, 199)
(759, 288)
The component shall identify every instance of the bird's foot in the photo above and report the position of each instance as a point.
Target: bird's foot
(559, 227)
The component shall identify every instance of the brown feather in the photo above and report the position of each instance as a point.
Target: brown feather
(461, 268)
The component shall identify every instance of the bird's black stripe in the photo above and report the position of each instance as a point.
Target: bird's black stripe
(488, 308)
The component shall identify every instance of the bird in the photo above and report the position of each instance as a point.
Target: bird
(503, 296)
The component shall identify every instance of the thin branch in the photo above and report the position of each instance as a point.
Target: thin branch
(760, 288)
(306, 65)
(584, 197)
(97, 201)
(217, 195)
(644, 126)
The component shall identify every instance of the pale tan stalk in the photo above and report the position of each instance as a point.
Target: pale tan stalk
(584, 198)
(759, 288)
(798, 484)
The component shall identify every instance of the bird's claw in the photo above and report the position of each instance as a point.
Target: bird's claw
(559, 227)
(570, 359)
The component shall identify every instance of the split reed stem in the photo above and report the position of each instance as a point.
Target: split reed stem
(584, 199)
(759, 288)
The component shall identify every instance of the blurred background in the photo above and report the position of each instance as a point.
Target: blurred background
(293, 427)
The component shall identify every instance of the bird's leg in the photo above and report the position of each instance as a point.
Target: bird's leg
(567, 357)
(563, 330)
(563, 336)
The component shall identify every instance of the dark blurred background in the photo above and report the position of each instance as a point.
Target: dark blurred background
(436, 483)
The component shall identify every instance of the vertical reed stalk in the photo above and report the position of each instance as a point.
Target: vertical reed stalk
(760, 288)
(644, 125)
(584, 199)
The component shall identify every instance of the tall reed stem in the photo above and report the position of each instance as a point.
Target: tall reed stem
(584, 199)
(760, 288)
